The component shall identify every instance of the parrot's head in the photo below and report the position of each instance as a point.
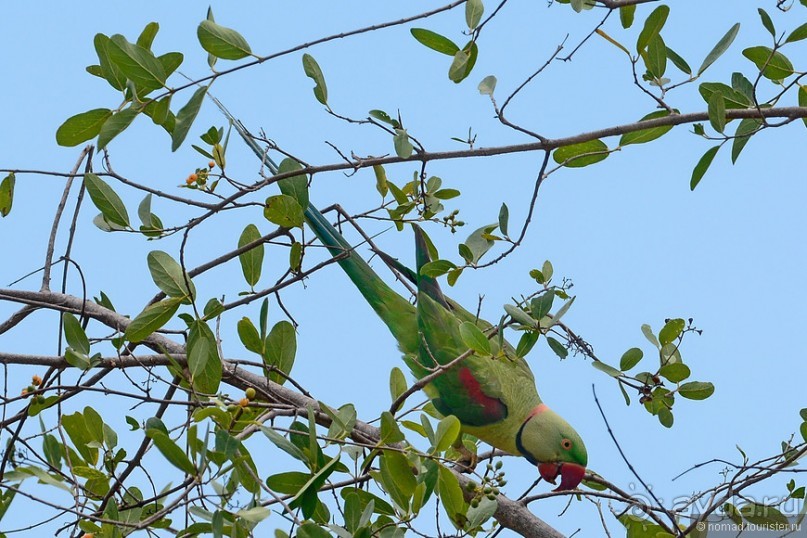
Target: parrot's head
(549, 442)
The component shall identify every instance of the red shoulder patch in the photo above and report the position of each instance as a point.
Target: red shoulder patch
(493, 408)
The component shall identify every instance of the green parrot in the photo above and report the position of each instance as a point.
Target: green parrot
(494, 397)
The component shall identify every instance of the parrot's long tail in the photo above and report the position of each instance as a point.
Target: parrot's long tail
(396, 312)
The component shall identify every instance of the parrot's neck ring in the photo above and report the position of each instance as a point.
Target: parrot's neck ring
(539, 409)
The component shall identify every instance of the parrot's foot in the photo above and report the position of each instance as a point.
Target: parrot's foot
(468, 460)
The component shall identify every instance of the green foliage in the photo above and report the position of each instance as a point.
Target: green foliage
(222, 42)
(772, 64)
(7, 194)
(106, 200)
(280, 350)
(82, 127)
(204, 363)
(168, 275)
(702, 166)
(582, 154)
(283, 210)
(313, 71)
(152, 318)
(252, 259)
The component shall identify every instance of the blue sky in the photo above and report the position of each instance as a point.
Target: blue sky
(638, 245)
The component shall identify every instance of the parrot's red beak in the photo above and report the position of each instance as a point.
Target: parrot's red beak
(571, 474)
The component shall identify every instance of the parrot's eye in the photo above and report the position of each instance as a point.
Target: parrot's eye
(566, 444)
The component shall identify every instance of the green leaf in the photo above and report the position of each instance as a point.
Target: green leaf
(313, 71)
(678, 61)
(436, 268)
(474, 338)
(77, 359)
(446, 194)
(526, 343)
(137, 63)
(478, 515)
(390, 432)
(803, 431)
(158, 111)
(380, 180)
(144, 211)
(520, 316)
(652, 26)
(742, 135)
(733, 98)
(463, 63)
(717, 112)
(108, 70)
(106, 200)
(170, 62)
(450, 493)
(479, 241)
(115, 125)
(283, 210)
(671, 331)
(772, 64)
(281, 348)
(284, 444)
(74, 334)
(674, 372)
(168, 448)
(294, 186)
(656, 57)
(146, 37)
(473, 13)
(403, 146)
(582, 154)
(665, 417)
(288, 483)
(760, 514)
(204, 363)
(487, 85)
(7, 194)
(721, 47)
(397, 383)
(648, 333)
(397, 477)
(630, 359)
(647, 135)
(559, 349)
(702, 166)
(435, 41)
(151, 318)
(696, 390)
(186, 116)
(610, 370)
(384, 117)
(222, 42)
(311, 530)
(540, 306)
(798, 34)
(767, 22)
(626, 15)
(251, 260)
(249, 336)
(448, 430)
(504, 217)
(295, 256)
(82, 438)
(82, 127)
(168, 275)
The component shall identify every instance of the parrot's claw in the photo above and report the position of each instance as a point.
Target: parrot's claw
(467, 461)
